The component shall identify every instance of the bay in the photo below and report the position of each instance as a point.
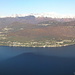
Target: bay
(37, 61)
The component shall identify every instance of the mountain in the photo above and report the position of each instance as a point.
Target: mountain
(45, 14)
(31, 28)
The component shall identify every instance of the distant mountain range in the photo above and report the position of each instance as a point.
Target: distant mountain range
(44, 25)
(31, 19)
(36, 28)
(46, 14)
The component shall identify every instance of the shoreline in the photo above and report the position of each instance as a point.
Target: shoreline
(39, 46)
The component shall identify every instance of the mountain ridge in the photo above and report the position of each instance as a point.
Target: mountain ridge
(37, 31)
(44, 14)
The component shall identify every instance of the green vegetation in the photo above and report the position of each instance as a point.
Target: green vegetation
(26, 42)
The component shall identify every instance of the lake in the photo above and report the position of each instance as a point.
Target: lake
(37, 61)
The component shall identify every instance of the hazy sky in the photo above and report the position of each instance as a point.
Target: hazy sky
(9, 7)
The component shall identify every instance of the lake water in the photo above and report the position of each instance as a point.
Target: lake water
(37, 61)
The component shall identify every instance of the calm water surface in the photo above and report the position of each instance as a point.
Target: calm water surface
(37, 61)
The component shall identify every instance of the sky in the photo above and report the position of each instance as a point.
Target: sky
(10, 7)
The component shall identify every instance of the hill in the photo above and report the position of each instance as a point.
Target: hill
(40, 31)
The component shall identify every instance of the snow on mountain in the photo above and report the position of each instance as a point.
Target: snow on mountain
(54, 15)
(51, 14)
